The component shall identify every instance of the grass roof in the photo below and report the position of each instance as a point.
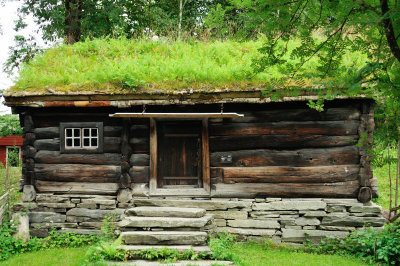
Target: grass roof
(120, 66)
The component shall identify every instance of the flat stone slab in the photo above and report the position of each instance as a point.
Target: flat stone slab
(46, 217)
(84, 214)
(180, 248)
(290, 205)
(299, 236)
(267, 224)
(352, 221)
(164, 238)
(203, 204)
(166, 212)
(168, 222)
(247, 231)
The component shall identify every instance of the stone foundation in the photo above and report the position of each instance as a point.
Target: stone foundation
(286, 220)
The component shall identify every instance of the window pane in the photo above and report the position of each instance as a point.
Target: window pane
(94, 132)
(86, 142)
(69, 142)
(77, 143)
(77, 132)
(86, 132)
(94, 142)
(68, 132)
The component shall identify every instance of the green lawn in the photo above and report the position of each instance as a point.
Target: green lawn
(255, 254)
(59, 257)
(248, 254)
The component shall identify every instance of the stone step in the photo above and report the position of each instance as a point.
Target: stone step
(164, 238)
(164, 222)
(166, 212)
(180, 248)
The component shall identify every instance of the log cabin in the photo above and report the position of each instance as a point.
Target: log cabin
(256, 165)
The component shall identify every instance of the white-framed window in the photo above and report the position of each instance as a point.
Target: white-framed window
(81, 137)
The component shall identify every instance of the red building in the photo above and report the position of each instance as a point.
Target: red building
(9, 144)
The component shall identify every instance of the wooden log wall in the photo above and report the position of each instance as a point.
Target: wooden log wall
(289, 153)
(140, 159)
(28, 149)
(93, 173)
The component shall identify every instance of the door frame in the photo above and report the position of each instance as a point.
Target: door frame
(205, 190)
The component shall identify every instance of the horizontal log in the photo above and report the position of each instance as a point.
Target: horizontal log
(140, 174)
(55, 157)
(140, 145)
(140, 159)
(54, 132)
(278, 174)
(53, 120)
(111, 144)
(77, 172)
(139, 131)
(28, 151)
(347, 189)
(329, 114)
(77, 187)
(331, 128)
(301, 157)
(244, 142)
(29, 139)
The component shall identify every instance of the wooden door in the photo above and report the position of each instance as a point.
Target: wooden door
(179, 154)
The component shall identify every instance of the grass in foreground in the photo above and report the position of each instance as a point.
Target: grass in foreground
(50, 257)
(255, 254)
(14, 177)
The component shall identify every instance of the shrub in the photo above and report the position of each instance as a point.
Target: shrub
(373, 245)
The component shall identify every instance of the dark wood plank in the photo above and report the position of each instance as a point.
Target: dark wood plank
(55, 157)
(140, 174)
(279, 174)
(140, 145)
(77, 187)
(140, 160)
(153, 154)
(245, 142)
(206, 155)
(347, 189)
(301, 157)
(331, 128)
(329, 114)
(111, 144)
(77, 172)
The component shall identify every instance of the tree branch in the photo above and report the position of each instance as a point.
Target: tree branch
(389, 31)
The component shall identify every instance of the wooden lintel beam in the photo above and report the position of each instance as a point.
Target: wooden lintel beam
(178, 115)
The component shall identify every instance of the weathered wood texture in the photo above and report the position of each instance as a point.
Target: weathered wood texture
(77, 187)
(126, 151)
(244, 142)
(278, 174)
(301, 157)
(28, 150)
(77, 172)
(365, 130)
(54, 132)
(111, 144)
(249, 190)
(306, 114)
(55, 157)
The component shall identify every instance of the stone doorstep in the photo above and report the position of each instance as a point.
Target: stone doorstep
(169, 222)
(180, 248)
(166, 212)
(164, 238)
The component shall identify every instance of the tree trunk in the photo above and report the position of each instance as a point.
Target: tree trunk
(72, 21)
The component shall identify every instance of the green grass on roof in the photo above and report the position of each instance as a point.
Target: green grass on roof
(120, 65)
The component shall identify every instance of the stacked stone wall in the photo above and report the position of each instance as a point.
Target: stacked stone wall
(286, 220)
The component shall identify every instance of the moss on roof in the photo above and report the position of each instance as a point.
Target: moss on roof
(121, 66)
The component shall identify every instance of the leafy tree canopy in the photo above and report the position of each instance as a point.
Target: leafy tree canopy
(9, 125)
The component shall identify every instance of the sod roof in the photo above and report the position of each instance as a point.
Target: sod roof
(144, 67)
